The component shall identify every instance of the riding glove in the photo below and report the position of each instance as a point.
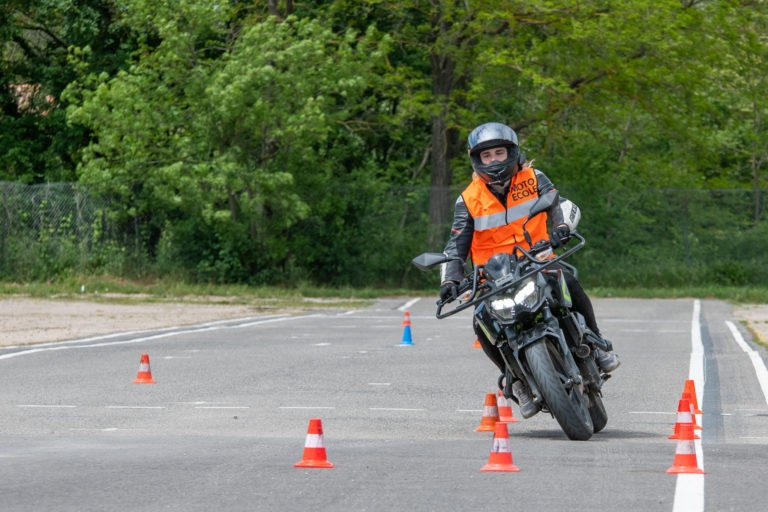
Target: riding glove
(559, 236)
(448, 291)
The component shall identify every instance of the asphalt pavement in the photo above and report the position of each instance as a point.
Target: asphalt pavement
(227, 419)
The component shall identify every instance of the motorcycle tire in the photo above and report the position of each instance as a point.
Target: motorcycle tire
(597, 412)
(568, 406)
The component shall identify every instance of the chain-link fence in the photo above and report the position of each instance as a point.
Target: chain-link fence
(51, 227)
(634, 237)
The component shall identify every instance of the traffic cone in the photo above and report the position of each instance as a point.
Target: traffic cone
(685, 454)
(505, 409)
(407, 339)
(501, 456)
(477, 344)
(690, 387)
(145, 374)
(683, 418)
(490, 414)
(687, 396)
(314, 447)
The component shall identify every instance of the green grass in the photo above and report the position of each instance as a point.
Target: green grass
(106, 287)
(734, 294)
(110, 289)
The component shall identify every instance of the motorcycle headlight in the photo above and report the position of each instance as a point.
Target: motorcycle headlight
(525, 295)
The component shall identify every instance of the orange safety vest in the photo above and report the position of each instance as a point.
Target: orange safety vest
(498, 229)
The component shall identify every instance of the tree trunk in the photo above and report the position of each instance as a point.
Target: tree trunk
(440, 200)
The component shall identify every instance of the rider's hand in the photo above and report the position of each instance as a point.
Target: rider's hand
(448, 291)
(559, 236)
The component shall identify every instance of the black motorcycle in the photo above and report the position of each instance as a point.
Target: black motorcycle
(523, 306)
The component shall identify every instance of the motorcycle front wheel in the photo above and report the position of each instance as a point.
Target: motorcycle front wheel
(567, 404)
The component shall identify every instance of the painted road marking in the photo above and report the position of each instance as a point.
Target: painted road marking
(391, 409)
(135, 407)
(40, 406)
(409, 304)
(757, 361)
(689, 491)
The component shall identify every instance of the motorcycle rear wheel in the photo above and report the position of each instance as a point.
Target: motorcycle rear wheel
(568, 406)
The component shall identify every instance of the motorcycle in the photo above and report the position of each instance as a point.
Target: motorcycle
(524, 308)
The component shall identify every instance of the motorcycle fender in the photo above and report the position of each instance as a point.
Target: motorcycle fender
(545, 330)
(536, 333)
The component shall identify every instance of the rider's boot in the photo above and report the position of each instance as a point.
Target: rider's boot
(606, 361)
(527, 406)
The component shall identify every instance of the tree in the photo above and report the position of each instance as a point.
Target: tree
(36, 144)
(206, 131)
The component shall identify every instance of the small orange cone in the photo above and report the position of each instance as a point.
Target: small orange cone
(501, 456)
(314, 447)
(505, 409)
(145, 374)
(685, 454)
(490, 414)
(690, 387)
(684, 417)
(687, 396)
(477, 344)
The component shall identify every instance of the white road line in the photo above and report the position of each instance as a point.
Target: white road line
(689, 491)
(221, 407)
(379, 384)
(409, 304)
(135, 406)
(391, 409)
(309, 407)
(213, 326)
(757, 361)
(40, 406)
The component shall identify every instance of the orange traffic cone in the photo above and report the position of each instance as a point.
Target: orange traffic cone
(477, 344)
(490, 414)
(685, 454)
(501, 456)
(314, 447)
(687, 396)
(690, 387)
(505, 409)
(145, 374)
(684, 417)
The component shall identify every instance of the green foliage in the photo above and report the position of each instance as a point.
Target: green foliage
(238, 147)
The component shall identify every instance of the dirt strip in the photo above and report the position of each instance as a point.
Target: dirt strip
(24, 321)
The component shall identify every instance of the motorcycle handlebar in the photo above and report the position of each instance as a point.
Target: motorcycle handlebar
(479, 289)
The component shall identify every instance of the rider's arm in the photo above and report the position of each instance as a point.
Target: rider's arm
(458, 244)
(554, 213)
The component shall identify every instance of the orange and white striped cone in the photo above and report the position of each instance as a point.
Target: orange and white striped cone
(490, 414)
(690, 387)
(314, 447)
(145, 373)
(684, 417)
(685, 454)
(687, 396)
(500, 458)
(505, 409)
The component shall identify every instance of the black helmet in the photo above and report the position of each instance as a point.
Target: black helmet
(491, 135)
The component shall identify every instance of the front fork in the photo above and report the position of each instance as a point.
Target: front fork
(510, 351)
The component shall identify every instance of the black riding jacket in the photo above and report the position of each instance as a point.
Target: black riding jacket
(464, 227)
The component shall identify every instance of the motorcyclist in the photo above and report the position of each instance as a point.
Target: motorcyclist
(488, 219)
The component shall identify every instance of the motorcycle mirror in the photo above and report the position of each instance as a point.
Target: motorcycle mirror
(429, 260)
(542, 204)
